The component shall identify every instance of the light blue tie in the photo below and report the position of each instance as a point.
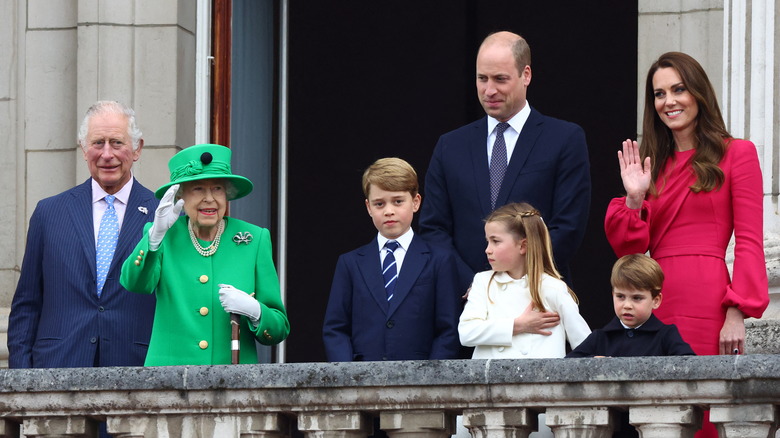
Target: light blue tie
(389, 268)
(106, 243)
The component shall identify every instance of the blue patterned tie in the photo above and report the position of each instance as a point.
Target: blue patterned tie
(106, 243)
(498, 163)
(389, 269)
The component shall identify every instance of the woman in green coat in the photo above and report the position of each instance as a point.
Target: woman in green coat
(203, 266)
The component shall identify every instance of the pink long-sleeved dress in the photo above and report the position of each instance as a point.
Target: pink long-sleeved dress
(687, 233)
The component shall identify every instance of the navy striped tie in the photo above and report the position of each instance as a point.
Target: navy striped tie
(498, 163)
(389, 269)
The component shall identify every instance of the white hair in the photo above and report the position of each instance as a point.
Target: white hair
(111, 107)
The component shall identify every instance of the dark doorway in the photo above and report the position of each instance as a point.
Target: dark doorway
(376, 79)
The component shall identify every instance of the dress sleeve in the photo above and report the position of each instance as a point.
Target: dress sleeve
(627, 229)
(562, 302)
(476, 327)
(749, 289)
(143, 277)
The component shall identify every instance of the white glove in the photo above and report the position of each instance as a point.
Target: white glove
(164, 217)
(237, 301)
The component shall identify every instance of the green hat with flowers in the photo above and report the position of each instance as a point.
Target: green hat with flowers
(204, 161)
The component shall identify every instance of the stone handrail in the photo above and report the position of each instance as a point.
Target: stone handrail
(664, 396)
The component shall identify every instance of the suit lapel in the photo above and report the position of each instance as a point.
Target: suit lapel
(477, 142)
(80, 214)
(370, 268)
(525, 144)
(414, 261)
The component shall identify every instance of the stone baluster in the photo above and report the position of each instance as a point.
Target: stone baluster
(335, 425)
(580, 422)
(745, 421)
(422, 424)
(127, 427)
(9, 429)
(666, 421)
(60, 427)
(265, 426)
(500, 423)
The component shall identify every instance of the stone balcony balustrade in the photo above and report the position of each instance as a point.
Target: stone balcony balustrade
(664, 397)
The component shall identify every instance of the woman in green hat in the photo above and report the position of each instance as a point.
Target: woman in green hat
(204, 266)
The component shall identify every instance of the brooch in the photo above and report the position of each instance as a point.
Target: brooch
(242, 237)
(143, 210)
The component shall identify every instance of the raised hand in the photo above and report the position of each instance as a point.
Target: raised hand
(164, 217)
(635, 172)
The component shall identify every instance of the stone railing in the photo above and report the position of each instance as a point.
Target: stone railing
(664, 397)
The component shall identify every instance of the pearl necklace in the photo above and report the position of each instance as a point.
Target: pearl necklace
(212, 248)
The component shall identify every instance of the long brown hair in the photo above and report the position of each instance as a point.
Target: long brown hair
(525, 222)
(711, 134)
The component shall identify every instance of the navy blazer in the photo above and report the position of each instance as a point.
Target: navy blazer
(420, 322)
(653, 338)
(56, 318)
(549, 169)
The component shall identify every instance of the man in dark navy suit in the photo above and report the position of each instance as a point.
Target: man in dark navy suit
(60, 317)
(541, 160)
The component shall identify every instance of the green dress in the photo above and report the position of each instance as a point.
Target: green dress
(190, 325)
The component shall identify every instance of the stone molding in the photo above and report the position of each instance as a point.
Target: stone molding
(414, 398)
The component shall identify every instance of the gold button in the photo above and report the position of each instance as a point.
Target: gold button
(267, 335)
(203, 345)
(141, 252)
(204, 278)
(137, 263)
(204, 311)
(140, 258)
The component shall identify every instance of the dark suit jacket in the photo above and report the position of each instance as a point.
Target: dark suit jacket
(420, 322)
(56, 318)
(549, 169)
(653, 338)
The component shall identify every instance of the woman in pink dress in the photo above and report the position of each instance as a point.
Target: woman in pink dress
(689, 186)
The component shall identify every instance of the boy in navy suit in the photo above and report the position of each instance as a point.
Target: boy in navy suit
(636, 291)
(395, 298)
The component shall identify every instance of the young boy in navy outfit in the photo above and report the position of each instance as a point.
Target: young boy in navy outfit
(636, 291)
(395, 298)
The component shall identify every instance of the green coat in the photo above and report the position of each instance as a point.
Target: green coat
(190, 325)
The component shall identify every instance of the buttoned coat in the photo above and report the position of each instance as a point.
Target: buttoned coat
(420, 322)
(487, 320)
(57, 319)
(190, 325)
(548, 169)
(653, 338)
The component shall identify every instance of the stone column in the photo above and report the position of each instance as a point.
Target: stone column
(264, 426)
(745, 421)
(665, 421)
(580, 422)
(128, 427)
(500, 423)
(751, 64)
(422, 424)
(335, 425)
(60, 427)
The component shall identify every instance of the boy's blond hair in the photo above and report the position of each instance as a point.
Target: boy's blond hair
(637, 272)
(391, 174)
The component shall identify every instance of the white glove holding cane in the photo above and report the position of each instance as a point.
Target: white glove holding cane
(164, 217)
(237, 301)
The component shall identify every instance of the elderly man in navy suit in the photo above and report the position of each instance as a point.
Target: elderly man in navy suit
(514, 154)
(66, 312)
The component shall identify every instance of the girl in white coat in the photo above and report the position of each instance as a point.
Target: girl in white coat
(523, 275)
